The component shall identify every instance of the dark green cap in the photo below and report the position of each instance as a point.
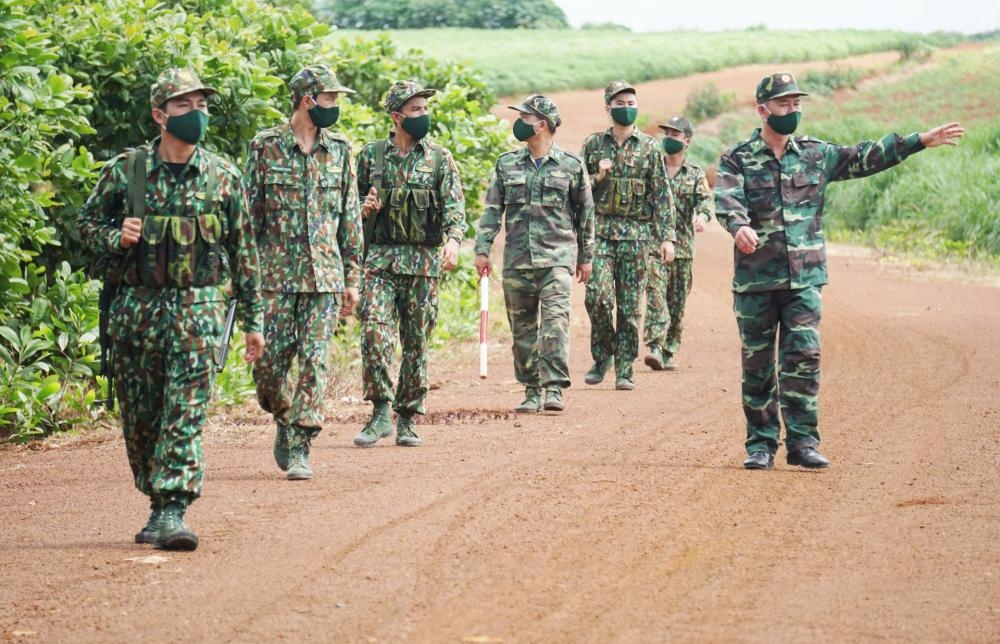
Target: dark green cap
(678, 123)
(402, 91)
(541, 106)
(313, 80)
(616, 87)
(777, 85)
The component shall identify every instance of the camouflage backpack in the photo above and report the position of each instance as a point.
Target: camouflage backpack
(408, 215)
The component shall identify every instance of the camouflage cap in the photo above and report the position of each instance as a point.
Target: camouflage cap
(542, 107)
(614, 88)
(678, 123)
(174, 82)
(777, 85)
(313, 80)
(402, 91)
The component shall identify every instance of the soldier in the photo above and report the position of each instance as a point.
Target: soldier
(303, 200)
(414, 213)
(167, 217)
(634, 210)
(669, 284)
(544, 192)
(769, 196)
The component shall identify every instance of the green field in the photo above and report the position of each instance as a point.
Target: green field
(520, 62)
(940, 203)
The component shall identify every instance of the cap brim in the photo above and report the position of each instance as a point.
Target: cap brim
(340, 89)
(670, 127)
(622, 91)
(793, 92)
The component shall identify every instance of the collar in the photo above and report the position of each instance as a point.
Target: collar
(757, 144)
(609, 133)
(198, 160)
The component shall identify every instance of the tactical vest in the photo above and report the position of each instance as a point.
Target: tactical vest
(620, 197)
(176, 251)
(411, 213)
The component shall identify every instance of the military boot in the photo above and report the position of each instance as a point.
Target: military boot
(379, 426)
(668, 361)
(532, 401)
(298, 454)
(596, 373)
(405, 436)
(281, 446)
(554, 399)
(152, 527)
(655, 359)
(173, 534)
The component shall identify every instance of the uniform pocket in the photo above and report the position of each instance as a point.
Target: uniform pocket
(555, 191)
(515, 188)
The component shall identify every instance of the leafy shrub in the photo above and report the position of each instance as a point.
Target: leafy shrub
(826, 82)
(708, 102)
(419, 14)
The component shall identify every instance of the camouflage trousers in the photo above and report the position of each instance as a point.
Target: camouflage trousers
(666, 296)
(164, 400)
(615, 287)
(538, 308)
(407, 302)
(792, 317)
(297, 326)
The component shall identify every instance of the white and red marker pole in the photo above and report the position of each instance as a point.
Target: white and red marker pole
(484, 306)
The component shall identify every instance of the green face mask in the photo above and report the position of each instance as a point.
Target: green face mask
(784, 124)
(324, 116)
(190, 127)
(417, 126)
(672, 145)
(624, 115)
(523, 131)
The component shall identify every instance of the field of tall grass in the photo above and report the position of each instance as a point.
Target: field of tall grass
(521, 61)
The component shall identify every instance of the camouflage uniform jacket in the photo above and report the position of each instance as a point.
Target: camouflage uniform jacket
(639, 158)
(549, 210)
(783, 202)
(304, 211)
(101, 218)
(415, 169)
(693, 198)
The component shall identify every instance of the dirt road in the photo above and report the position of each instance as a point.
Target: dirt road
(626, 518)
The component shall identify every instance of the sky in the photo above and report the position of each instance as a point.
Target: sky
(965, 16)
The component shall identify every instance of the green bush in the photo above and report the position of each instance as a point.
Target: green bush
(421, 14)
(826, 82)
(708, 102)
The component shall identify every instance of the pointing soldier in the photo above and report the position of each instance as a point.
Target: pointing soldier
(166, 214)
(414, 218)
(769, 196)
(542, 194)
(303, 200)
(635, 210)
(669, 284)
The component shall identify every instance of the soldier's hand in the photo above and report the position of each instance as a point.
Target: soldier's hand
(583, 272)
(667, 252)
(255, 346)
(699, 224)
(603, 167)
(947, 134)
(746, 240)
(372, 203)
(449, 255)
(351, 299)
(131, 230)
(483, 265)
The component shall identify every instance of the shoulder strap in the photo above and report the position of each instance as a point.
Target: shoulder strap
(379, 163)
(210, 186)
(135, 176)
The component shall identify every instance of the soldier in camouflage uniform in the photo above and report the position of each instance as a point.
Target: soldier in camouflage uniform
(168, 243)
(303, 198)
(414, 219)
(544, 192)
(769, 196)
(635, 210)
(669, 284)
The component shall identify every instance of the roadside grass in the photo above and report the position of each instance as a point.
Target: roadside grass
(516, 62)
